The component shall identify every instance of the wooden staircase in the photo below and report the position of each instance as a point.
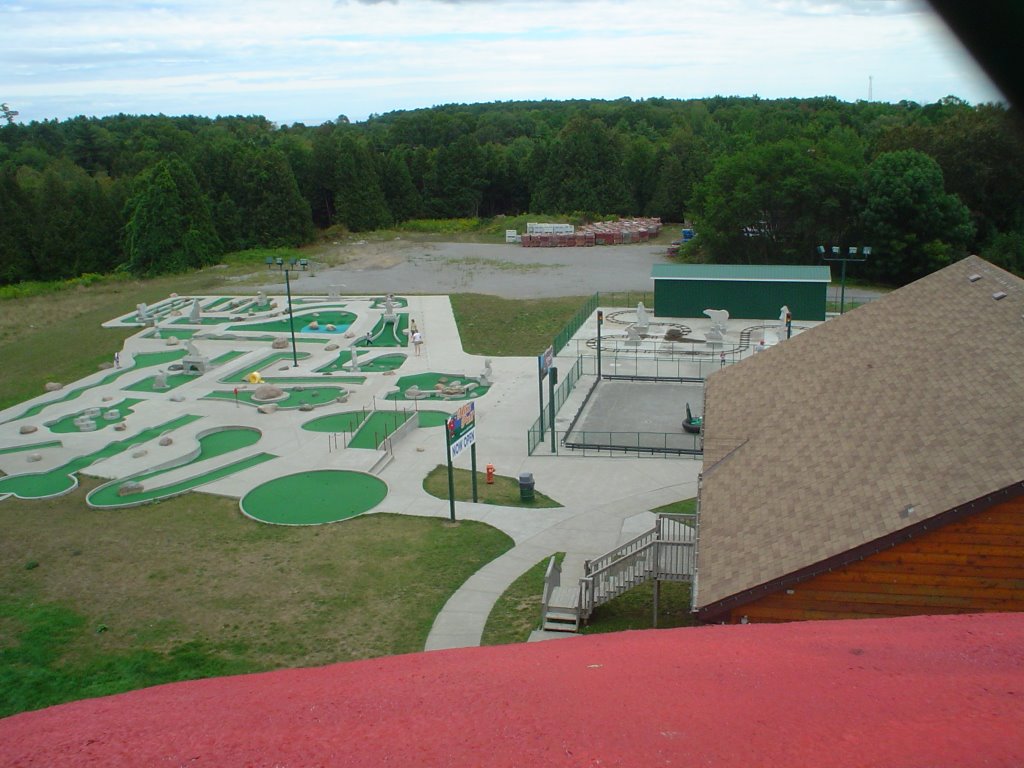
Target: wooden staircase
(664, 553)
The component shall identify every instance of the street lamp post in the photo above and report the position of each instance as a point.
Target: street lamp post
(835, 254)
(291, 317)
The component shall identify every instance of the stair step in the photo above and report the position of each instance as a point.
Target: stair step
(560, 626)
(556, 614)
(564, 597)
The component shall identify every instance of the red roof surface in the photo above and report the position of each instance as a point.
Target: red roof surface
(921, 691)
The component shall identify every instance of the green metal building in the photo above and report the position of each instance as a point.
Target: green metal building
(750, 291)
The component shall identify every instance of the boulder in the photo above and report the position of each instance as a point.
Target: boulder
(267, 408)
(120, 427)
(314, 326)
(172, 341)
(177, 398)
(330, 347)
(267, 392)
(331, 327)
(306, 407)
(27, 429)
(129, 488)
(34, 457)
(139, 453)
(279, 343)
(165, 440)
(53, 386)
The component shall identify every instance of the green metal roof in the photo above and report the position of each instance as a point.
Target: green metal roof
(756, 273)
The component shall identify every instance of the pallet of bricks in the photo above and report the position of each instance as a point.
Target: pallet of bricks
(623, 231)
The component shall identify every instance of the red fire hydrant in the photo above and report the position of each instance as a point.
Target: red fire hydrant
(490, 474)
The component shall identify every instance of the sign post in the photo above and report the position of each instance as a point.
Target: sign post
(459, 434)
(600, 322)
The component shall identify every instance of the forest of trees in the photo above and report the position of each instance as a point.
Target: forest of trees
(763, 181)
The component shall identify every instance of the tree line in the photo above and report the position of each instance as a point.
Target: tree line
(762, 181)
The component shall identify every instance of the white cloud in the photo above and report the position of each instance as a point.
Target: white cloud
(310, 60)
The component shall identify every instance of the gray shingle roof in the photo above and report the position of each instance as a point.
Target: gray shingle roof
(817, 445)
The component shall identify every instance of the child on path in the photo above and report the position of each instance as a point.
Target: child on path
(417, 341)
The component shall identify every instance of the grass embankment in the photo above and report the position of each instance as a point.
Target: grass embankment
(503, 492)
(517, 612)
(96, 602)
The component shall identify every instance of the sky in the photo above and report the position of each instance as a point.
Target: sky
(310, 61)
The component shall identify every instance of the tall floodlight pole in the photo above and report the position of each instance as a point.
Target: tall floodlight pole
(291, 317)
(835, 254)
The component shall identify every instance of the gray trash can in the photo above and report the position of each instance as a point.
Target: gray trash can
(526, 486)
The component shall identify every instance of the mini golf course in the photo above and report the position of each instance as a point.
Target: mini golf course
(386, 334)
(32, 447)
(341, 321)
(369, 429)
(386, 362)
(239, 376)
(313, 498)
(294, 398)
(100, 416)
(142, 360)
(211, 445)
(437, 386)
(61, 480)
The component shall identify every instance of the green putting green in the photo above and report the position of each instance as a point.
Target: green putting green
(238, 377)
(60, 480)
(378, 427)
(295, 397)
(389, 334)
(388, 362)
(314, 497)
(338, 318)
(216, 443)
(336, 422)
(122, 409)
(31, 447)
(178, 333)
(433, 418)
(177, 379)
(453, 386)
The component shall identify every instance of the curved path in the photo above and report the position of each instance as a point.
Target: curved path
(583, 533)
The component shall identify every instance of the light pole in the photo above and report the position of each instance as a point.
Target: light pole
(853, 254)
(291, 317)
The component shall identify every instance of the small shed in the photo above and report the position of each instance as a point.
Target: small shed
(751, 291)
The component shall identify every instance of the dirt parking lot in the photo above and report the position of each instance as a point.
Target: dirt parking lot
(510, 271)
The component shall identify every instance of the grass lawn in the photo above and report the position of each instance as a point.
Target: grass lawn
(490, 325)
(517, 612)
(503, 492)
(57, 336)
(683, 507)
(635, 610)
(94, 602)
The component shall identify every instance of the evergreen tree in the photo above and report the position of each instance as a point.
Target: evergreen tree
(169, 227)
(359, 200)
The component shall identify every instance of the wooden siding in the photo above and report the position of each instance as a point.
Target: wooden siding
(969, 566)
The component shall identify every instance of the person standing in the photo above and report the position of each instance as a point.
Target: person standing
(417, 341)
